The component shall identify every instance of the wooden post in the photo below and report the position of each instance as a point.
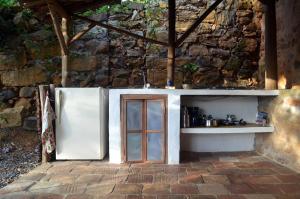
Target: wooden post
(172, 42)
(65, 24)
(271, 76)
(61, 28)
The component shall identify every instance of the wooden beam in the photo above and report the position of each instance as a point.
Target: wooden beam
(57, 28)
(81, 33)
(59, 9)
(271, 73)
(119, 30)
(197, 22)
(65, 24)
(172, 42)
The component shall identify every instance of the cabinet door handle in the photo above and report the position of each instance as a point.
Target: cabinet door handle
(59, 102)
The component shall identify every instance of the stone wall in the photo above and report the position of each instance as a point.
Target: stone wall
(225, 47)
(284, 144)
(288, 34)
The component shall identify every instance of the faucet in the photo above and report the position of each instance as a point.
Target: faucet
(146, 85)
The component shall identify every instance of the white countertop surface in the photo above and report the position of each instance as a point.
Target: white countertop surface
(231, 92)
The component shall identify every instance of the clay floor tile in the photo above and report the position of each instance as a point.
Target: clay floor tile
(112, 196)
(31, 177)
(89, 179)
(191, 179)
(215, 179)
(156, 189)
(99, 189)
(240, 189)
(113, 179)
(267, 188)
(106, 170)
(172, 196)
(287, 196)
(259, 196)
(16, 187)
(60, 169)
(165, 178)
(61, 179)
(212, 189)
(83, 169)
(128, 189)
(202, 196)
(175, 170)
(153, 170)
(289, 178)
(262, 179)
(184, 189)
(231, 197)
(290, 188)
(139, 178)
(79, 196)
(192, 171)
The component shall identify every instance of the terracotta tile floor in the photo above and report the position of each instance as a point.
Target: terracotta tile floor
(199, 176)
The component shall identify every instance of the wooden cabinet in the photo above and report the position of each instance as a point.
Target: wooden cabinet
(143, 120)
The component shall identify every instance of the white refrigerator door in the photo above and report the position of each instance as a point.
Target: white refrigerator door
(77, 123)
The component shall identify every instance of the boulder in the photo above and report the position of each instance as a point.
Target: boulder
(30, 124)
(102, 61)
(6, 95)
(83, 63)
(198, 50)
(21, 21)
(161, 35)
(250, 45)
(234, 63)
(103, 47)
(11, 117)
(156, 77)
(41, 35)
(135, 53)
(219, 52)
(3, 106)
(24, 77)
(137, 78)
(12, 60)
(120, 82)
(120, 73)
(207, 78)
(27, 91)
(42, 44)
(23, 102)
(95, 46)
(227, 43)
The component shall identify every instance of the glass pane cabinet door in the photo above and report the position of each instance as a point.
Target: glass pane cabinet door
(154, 146)
(144, 128)
(134, 115)
(154, 115)
(155, 130)
(134, 146)
(134, 130)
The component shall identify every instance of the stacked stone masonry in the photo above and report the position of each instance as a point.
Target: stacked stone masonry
(225, 47)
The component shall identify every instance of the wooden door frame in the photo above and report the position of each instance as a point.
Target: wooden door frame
(123, 101)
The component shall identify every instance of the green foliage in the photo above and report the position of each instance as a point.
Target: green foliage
(190, 67)
(8, 3)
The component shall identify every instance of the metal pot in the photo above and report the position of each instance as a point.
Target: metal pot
(208, 123)
(214, 122)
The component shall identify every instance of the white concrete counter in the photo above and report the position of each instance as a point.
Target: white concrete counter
(173, 123)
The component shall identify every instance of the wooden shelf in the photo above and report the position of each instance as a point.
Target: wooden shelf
(249, 128)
